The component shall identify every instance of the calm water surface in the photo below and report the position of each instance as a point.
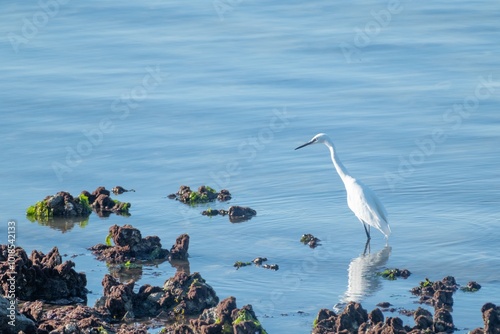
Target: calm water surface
(152, 96)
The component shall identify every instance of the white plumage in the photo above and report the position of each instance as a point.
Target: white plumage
(360, 198)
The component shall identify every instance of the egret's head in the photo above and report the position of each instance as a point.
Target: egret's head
(319, 138)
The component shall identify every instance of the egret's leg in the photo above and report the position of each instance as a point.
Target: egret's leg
(367, 230)
(367, 247)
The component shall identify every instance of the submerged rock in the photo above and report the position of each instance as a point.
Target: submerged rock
(392, 274)
(239, 264)
(42, 276)
(271, 266)
(204, 194)
(258, 260)
(237, 214)
(104, 205)
(438, 293)
(130, 246)
(471, 287)
(309, 239)
(118, 190)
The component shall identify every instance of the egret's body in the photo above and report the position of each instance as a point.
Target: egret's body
(360, 199)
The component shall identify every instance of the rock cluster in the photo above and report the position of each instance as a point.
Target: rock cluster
(43, 276)
(181, 295)
(131, 246)
(309, 239)
(204, 194)
(439, 294)
(103, 204)
(68, 319)
(237, 214)
(491, 318)
(355, 319)
(223, 318)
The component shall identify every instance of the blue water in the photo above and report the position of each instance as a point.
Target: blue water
(151, 96)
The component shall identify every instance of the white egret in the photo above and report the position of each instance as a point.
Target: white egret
(360, 199)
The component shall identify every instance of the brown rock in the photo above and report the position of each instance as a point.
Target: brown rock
(179, 251)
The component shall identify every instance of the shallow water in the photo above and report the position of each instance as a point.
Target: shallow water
(152, 96)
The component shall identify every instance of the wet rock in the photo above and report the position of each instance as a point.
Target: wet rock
(395, 325)
(258, 260)
(384, 304)
(118, 298)
(204, 194)
(352, 317)
(325, 322)
(118, 190)
(309, 239)
(392, 274)
(245, 321)
(428, 292)
(189, 293)
(471, 287)
(271, 266)
(42, 276)
(67, 319)
(443, 321)
(179, 250)
(11, 321)
(491, 319)
(182, 294)
(225, 318)
(239, 213)
(239, 264)
(213, 212)
(130, 246)
(104, 205)
(349, 321)
(62, 204)
(423, 319)
(376, 316)
(443, 298)
(224, 195)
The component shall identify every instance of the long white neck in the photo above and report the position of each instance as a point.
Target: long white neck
(339, 167)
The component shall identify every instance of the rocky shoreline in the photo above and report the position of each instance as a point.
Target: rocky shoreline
(52, 296)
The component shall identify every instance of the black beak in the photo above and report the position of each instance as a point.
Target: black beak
(308, 143)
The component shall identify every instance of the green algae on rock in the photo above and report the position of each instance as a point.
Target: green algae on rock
(204, 194)
(392, 274)
(62, 204)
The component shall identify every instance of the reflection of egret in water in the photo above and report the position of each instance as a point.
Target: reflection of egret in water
(362, 274)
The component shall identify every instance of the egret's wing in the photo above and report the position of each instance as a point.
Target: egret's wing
(367, 207)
